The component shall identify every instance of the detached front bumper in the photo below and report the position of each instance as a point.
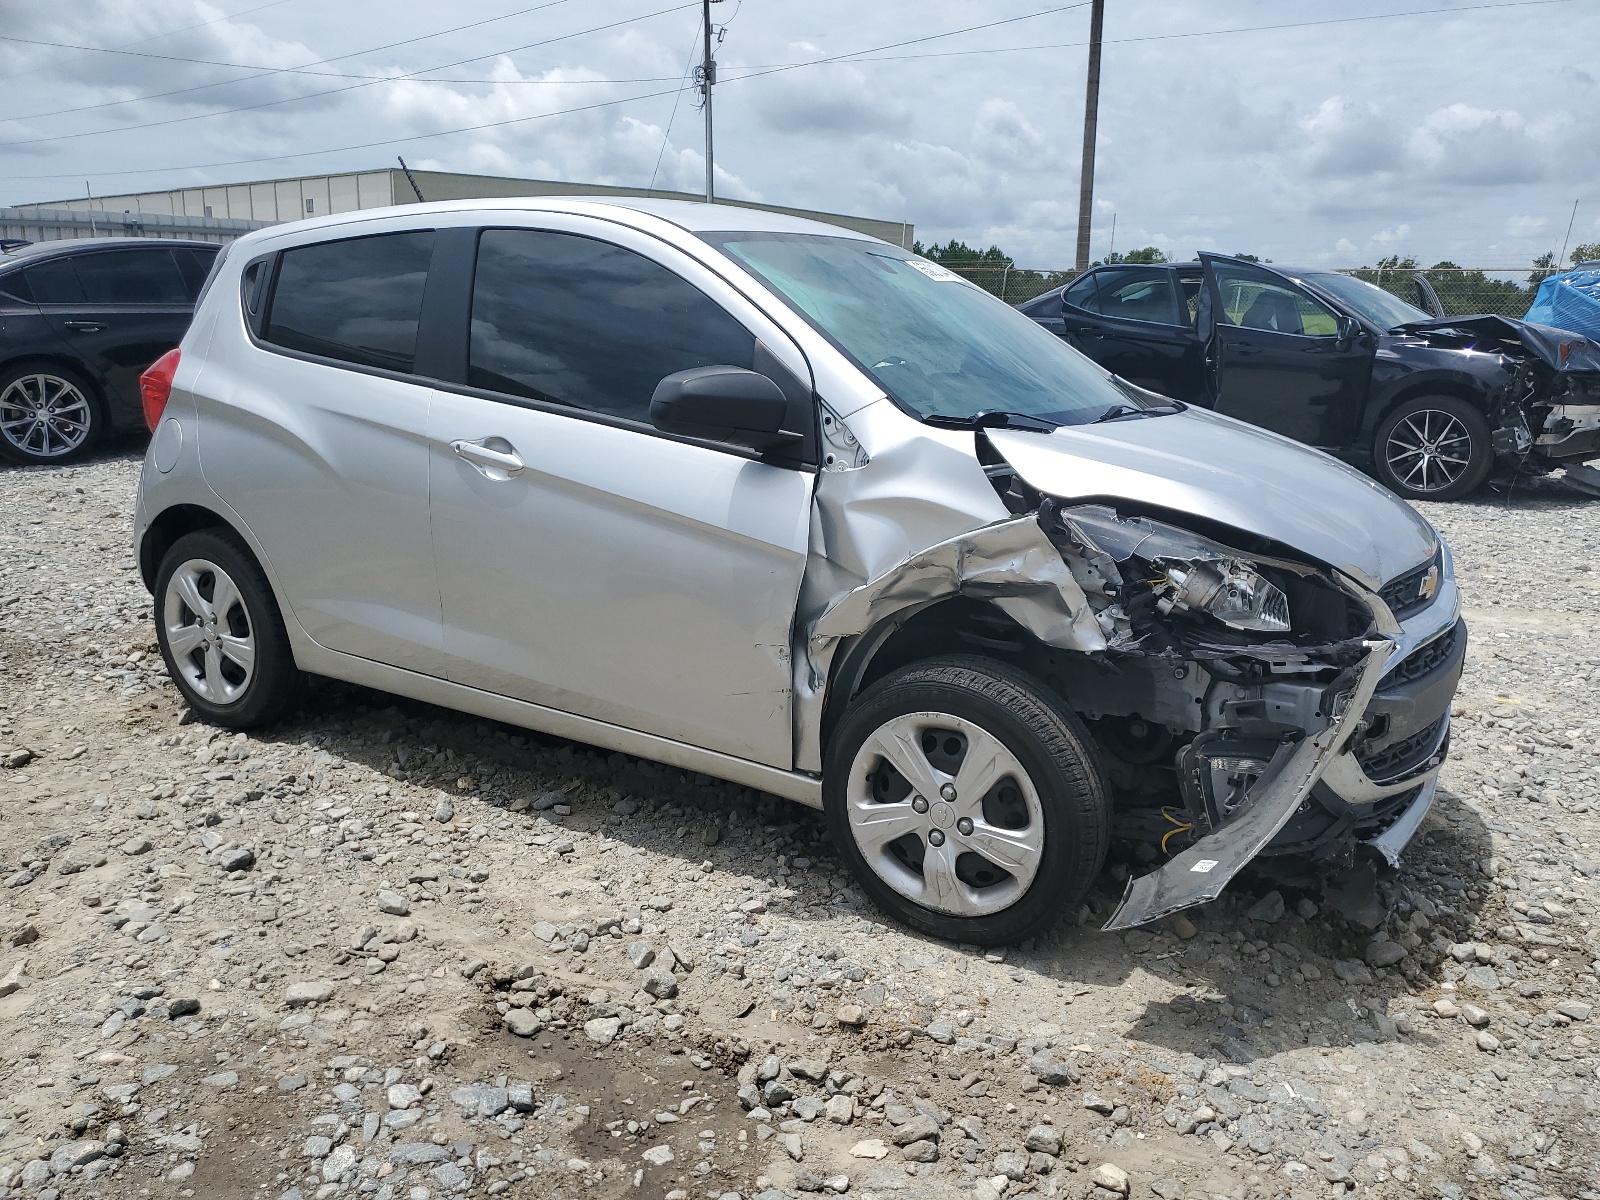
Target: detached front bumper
(1370, 775)
(1571, 433)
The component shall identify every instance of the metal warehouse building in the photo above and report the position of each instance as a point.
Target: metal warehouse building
(223, 212)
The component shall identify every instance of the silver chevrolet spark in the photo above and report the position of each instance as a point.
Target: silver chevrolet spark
(795, 508)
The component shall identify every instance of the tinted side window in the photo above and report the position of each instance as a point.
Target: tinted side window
(1081, 294)
(194, 265)
(54, 282)
(358, 301)
(14, 286)
(1140, 294)
(571, 320)
(131, 277)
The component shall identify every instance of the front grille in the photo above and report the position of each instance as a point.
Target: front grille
(1399, 757)
(1405, 595)
(1425, 658)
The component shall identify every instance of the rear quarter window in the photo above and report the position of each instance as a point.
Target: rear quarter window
(357, 301)
(54, 282)
(143, 276)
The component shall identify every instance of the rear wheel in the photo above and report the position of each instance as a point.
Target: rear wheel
(47, 415)
(1433, 448)
(220, 631)
(967, 802)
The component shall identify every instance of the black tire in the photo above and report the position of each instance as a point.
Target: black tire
(218, 687)
(77, 414)
(1041, 735)
(1452, 426)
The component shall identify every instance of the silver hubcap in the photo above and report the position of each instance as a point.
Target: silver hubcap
(208, 631)
(945, 814)
(1429, 450)
(44, 416)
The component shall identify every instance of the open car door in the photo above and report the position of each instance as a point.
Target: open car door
(1427, 299)
(1279, 357)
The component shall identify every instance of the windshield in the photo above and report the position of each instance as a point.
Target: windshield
(938, 345)
(1369, 301)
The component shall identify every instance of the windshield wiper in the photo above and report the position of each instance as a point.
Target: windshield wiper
(1118, 411)
(994, 418)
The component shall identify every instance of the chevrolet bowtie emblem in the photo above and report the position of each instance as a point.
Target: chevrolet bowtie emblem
(1429, 584)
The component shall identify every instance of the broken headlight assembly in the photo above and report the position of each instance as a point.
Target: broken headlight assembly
(1142, 570)
(1232, 592)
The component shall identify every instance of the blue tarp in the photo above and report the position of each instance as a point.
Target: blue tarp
(1569, 301)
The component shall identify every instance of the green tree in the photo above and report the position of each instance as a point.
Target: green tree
(1588, 252)
(954, 253)
(1146, 256)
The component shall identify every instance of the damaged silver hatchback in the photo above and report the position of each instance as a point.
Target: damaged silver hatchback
(794, 508)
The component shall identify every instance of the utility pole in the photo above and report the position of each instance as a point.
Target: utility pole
(708, 76)
(1091, 111)
(1562, 256)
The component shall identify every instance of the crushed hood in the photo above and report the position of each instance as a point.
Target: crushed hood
(1237, 475)
(1556, 348)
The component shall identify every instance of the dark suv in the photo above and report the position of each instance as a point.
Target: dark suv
(79, 321)
(1430, 404)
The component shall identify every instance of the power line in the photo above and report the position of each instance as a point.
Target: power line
(758, 72)
(753, 72)
(222, 112)
(398, 141)
(155, 37)
(263, 71)
(666, 135)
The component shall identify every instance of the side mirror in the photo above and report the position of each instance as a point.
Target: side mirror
(722, 404)
(1349, 330)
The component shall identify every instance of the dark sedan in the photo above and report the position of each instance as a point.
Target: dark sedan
(79, 321)
(1431, 405)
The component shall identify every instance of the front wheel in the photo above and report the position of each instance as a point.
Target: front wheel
(1433, 448)
(967, 802)
(220, 631)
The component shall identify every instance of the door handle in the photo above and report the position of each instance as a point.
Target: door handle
(84, 326)
(494, 461)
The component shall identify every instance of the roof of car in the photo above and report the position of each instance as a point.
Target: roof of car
(75, 245)
(635, 211)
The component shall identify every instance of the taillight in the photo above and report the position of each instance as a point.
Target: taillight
(155, 386)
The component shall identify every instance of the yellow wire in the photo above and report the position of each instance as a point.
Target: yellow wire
(1182, 827)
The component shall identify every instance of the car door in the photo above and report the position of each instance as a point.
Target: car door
(1281, 358)
(1138, 329)
(313, 428)
(587, 562)
(117, 310)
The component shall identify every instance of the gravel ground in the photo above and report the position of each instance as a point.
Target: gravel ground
(388, 950)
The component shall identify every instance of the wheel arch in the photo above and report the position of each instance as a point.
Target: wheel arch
(1414, 389)
(170, 525)
(951, 624)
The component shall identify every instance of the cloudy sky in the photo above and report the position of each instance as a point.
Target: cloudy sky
(1463, 132)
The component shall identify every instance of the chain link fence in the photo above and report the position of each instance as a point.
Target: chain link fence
(1463, 291)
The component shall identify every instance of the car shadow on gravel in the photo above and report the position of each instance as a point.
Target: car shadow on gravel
(1280, 961)
(1286, 959)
